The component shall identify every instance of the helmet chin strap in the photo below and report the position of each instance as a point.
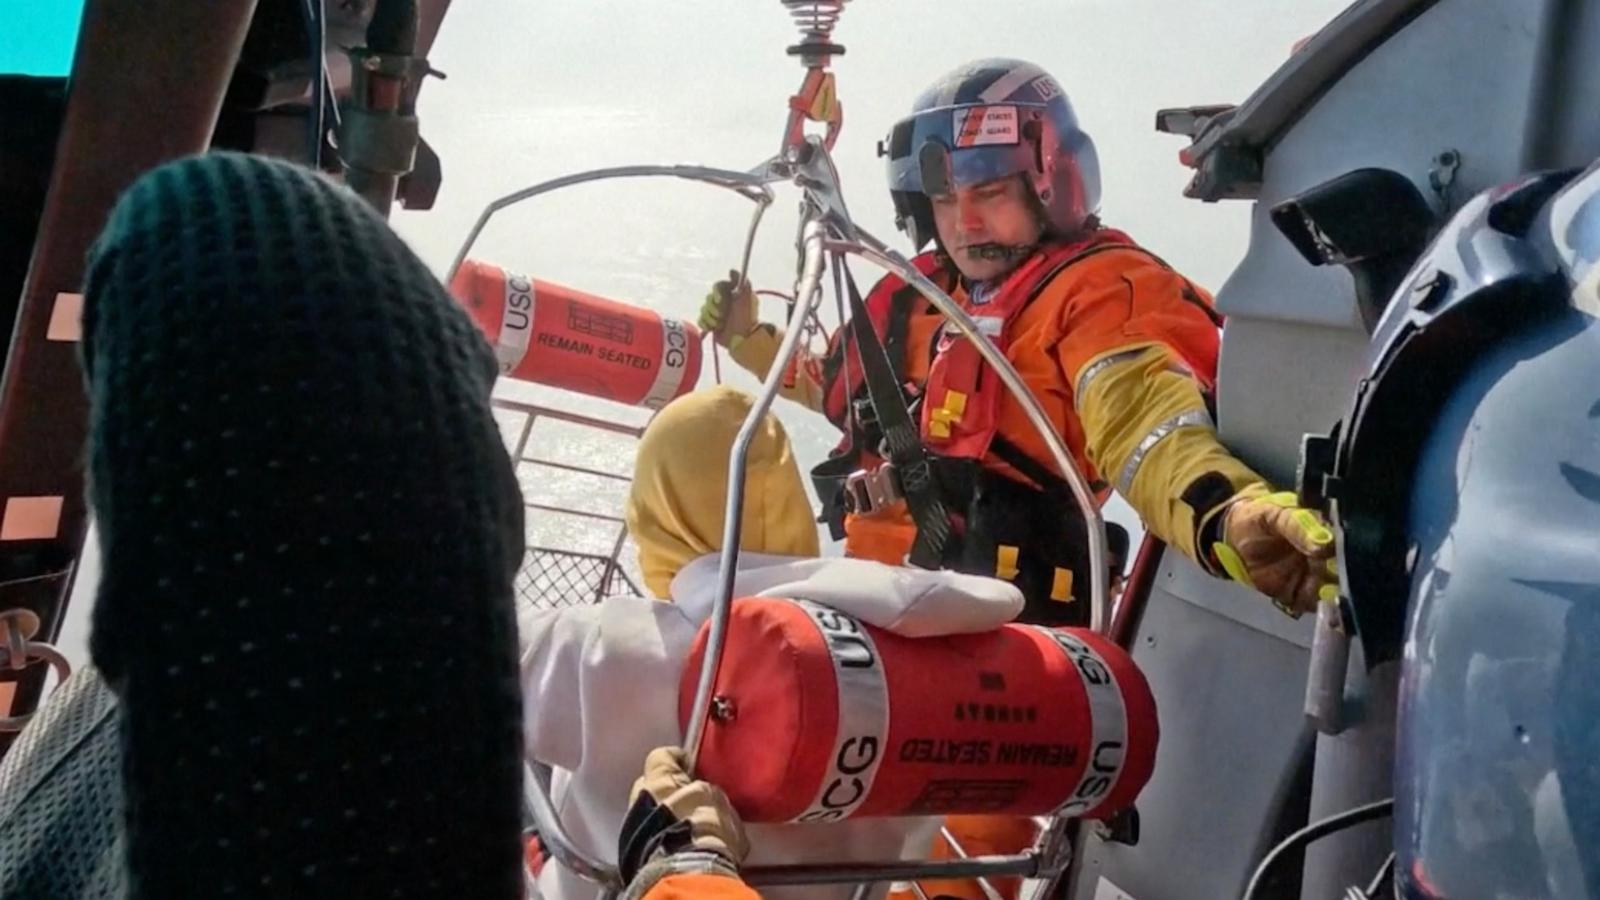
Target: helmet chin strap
(1013, 253)
(981, 291)
(1001, 252)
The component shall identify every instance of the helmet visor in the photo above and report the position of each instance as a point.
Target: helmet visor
(937, 151)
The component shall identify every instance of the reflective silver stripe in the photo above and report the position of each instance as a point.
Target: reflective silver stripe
(1093, 370)
(516, 323)
(674, 363)
(1130, 469)
(863, 733)
(1009, 82)
(1108, 726)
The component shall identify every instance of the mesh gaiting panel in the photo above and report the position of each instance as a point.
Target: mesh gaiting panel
(552, 579)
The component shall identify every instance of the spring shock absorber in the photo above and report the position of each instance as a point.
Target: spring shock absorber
(815, 19)
(816, 100)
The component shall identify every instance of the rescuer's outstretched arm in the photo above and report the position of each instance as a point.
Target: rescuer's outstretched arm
(753, 344)
(1133, 344)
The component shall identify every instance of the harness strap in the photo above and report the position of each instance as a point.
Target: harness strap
(1037, 472)
(901, 437)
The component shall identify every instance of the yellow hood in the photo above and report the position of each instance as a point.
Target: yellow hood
(680, 479)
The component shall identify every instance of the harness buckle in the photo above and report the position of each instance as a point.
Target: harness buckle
(866, 415)
(869, 491)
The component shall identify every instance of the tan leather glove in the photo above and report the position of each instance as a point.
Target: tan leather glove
(676, 824)
(1279, 548)
(728, 312)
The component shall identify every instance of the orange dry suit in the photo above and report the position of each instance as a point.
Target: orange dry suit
(1121, 352)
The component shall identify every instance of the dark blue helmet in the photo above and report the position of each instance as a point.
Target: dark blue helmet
(986, 120)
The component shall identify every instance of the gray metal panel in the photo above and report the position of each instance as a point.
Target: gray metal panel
(1182, 578)
(1456, 77)
(1281, 380)
(1297, 83)
(1460, 76)
(1561, 129)
(1355, 767)
(1229, 678)
(1323, 296)
(1231, 737)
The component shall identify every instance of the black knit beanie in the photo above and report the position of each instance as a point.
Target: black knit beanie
(309, 527)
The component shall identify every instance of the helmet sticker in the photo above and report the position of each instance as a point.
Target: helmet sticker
(1046, 88)
(976, 126)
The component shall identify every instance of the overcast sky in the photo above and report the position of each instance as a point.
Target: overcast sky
(540, 89)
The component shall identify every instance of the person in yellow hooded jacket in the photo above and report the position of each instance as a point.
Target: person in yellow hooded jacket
(992, 168)
(676, 503)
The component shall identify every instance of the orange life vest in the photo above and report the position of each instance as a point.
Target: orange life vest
(960, 413)
(895, 309)
(1012, 514)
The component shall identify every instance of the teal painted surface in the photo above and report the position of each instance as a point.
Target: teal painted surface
(38, 37)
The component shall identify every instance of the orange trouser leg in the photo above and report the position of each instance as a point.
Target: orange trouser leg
(978, 836)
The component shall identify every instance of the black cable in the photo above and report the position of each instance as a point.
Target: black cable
(1316, 831)
(315, 14)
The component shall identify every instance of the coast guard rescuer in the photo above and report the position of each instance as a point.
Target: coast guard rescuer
(1121, 351)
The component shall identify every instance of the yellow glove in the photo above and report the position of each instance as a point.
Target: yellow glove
(1279, 548)
(676, 825)
(730, 313)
